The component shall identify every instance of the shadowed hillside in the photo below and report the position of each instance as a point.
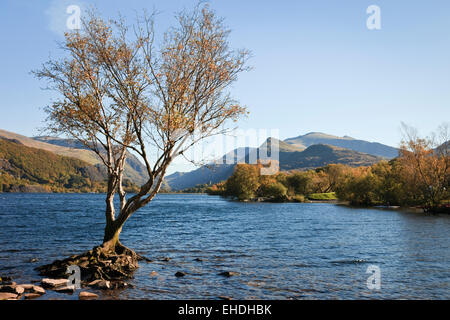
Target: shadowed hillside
(320, 155)
(210, 174)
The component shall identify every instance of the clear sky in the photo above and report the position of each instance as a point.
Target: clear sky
(316, 66)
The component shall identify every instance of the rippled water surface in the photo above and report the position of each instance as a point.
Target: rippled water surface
(281, 251)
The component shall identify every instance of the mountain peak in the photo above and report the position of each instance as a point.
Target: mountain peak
(282, 146)
(319, 135)
(373, 148)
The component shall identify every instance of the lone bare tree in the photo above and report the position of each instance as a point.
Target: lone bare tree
(120, 92)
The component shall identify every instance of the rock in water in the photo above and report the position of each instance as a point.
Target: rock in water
(31, 288)
(7, 296)
(38, 290)
(31, 296)
(12, 288)
(54, 283)
(84, 295)
(180, 274)
(19, 290)
(228, 274)
(27, 287)
(65, 289)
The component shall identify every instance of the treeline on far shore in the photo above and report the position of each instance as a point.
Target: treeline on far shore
(418, 177)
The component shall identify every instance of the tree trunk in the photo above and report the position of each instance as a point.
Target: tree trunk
(111, 236)
(112, 230)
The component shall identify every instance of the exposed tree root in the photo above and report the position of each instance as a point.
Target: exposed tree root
(104, 262)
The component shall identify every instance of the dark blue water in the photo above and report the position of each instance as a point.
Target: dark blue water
(281, 251)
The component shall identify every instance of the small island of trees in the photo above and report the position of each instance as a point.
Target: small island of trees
(418, 177)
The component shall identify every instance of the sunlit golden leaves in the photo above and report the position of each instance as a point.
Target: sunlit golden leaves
(118, 91)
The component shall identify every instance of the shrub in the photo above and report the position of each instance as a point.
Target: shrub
(244, 182)
(275, 191)
(299, 198)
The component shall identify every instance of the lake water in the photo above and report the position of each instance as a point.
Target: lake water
(281, 251)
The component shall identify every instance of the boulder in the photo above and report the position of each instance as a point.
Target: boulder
(54, 283)
(7, 296)
(84, 295)
(180, 274)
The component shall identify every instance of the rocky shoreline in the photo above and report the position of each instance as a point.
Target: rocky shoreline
(10, 290)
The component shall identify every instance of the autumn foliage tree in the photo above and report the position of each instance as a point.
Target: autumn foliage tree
(120, 92)
(425, 165)
(244, 182)
(419, 176)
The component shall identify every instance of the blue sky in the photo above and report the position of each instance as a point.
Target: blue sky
(316, 66)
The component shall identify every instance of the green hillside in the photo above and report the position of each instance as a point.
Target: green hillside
(84, 155)
(134, 169)
(26, 169)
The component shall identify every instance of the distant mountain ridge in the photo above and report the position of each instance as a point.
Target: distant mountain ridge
(291, 157)
(68, 143)
(309, 151)
(208, 174)
(320, 155)
(373, 148)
